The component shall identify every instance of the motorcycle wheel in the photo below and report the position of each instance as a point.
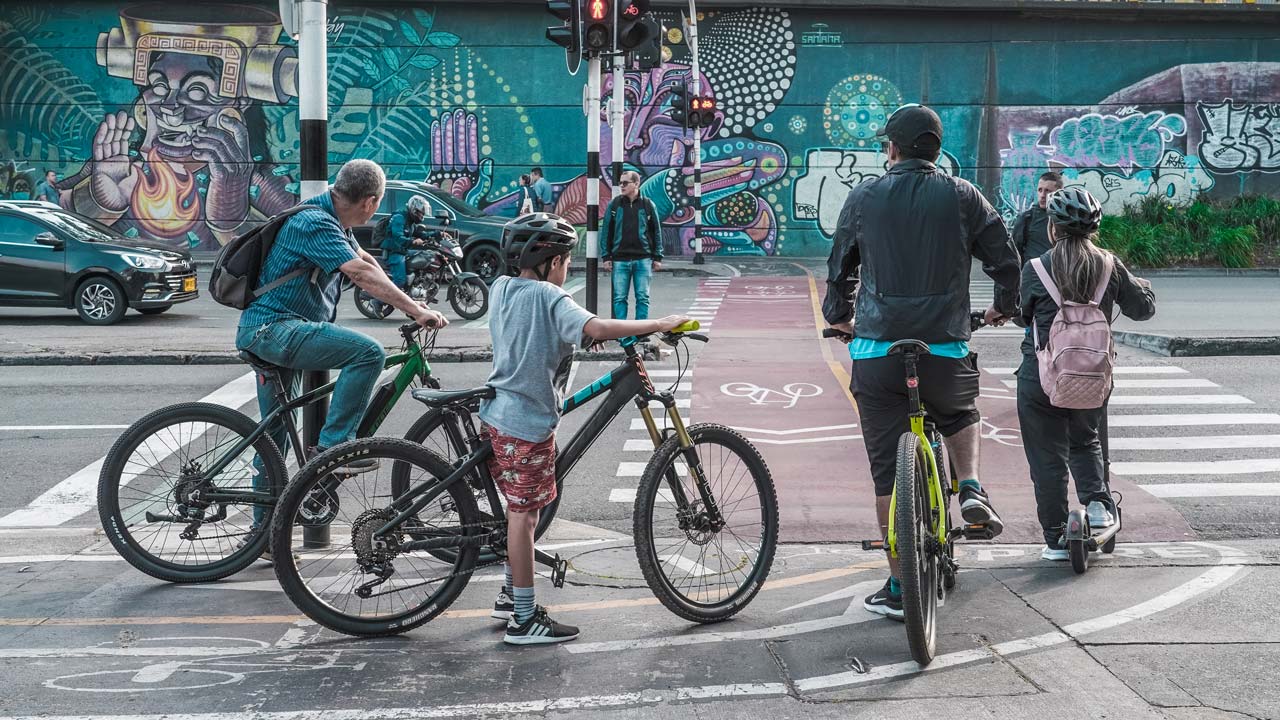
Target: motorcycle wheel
(370, 306)
(470, 298)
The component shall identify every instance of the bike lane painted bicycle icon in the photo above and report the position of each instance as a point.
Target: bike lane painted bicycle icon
(788, 396)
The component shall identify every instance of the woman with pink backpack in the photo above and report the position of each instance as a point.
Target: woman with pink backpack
(1064, 381)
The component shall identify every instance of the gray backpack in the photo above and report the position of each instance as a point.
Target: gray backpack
(1076, 362)
(233, 281)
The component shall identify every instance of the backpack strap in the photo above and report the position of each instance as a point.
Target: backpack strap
(1047, 280)
(282, 218)
(1105, 281)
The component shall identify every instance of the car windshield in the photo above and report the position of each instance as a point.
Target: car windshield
(457, 205)
(82, 228)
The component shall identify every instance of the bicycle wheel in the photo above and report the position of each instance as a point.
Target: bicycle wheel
(361, 584)
(918, 563)
(153, 469)
(429, 432)
(701, 572)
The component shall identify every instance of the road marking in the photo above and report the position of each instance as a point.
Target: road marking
(1149, 383)
(35, 559)
(76, 494)
(683, 563)
(803, 441)
(1206, 467)
(1179, 400)
(1193, 419)
(662, 422)
(665, 372)
(796, 431)
(788, 396)
(636, 469)
(681, 403)
(30, 428)
(1121, 370)
(1205, 442)
(638, 445)
(1195, 490)
(628, 495)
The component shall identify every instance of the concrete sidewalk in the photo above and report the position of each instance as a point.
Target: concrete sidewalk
(1202, 314)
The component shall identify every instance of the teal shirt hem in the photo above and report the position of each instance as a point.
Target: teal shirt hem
(867, 349)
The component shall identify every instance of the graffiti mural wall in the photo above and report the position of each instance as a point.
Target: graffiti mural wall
(178, 121)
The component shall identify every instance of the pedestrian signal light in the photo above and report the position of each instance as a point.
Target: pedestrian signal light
(702, 111)
(597, 10)
(680, 103)
(599, 34)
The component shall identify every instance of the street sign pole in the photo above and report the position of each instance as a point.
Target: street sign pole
(593, 179)
(616, 118)
(692, 35)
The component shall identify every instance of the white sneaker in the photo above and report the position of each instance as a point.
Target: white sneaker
(1099, 515)
(1054, 554)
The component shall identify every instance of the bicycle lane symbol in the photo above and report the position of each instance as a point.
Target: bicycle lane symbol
(788, 396)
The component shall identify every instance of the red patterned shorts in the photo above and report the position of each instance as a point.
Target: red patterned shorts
(524, 472)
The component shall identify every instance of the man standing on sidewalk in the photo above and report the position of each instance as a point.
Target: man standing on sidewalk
(541, 191)
(1031, 229)
(632, 247)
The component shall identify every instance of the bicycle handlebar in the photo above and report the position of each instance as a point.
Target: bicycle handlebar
(838, 335)
(976, 320)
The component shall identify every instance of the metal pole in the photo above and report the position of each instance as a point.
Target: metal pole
(593, 179)
(313, 110)
(616, 118)
(698, 259)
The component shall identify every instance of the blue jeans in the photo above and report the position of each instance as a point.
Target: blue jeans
(626, 273)
(396, 268)
(303, 345)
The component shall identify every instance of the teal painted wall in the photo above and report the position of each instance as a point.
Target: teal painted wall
(179, 121)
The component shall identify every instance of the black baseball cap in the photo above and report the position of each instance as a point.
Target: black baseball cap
(910, 124)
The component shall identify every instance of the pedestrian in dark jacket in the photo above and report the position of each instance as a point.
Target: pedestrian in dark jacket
(1031, 229)
(911, 233)
(632, 246)
(1058, 439)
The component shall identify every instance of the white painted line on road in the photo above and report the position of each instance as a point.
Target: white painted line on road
(1121, 370)
(35, 559)
(1179, 400)
(796, 431)
(803, 441)
(636, 469)
(1161, 383)
(628, 495)
(1197, 490)
(663, 423)
(1204, 442)
(694, 569)
(1205, 467)
(76, 494)
(681, 403)
(638, 445)
(665, 372)
(32, 428)
(1192, 419)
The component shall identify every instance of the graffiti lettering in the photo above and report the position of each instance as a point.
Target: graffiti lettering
(1240, 137)
(1136, 140)
(830, 173)
(1176, 178)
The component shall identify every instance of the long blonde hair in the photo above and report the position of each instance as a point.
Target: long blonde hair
(1077, 264)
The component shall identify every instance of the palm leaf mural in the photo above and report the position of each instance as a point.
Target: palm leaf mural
(358, 60)
(40, 96)
(400, 132)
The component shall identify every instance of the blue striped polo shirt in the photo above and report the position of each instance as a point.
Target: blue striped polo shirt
(312, 239)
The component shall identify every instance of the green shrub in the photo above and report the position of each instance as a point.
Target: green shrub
(1158, 233)
(1233, 246)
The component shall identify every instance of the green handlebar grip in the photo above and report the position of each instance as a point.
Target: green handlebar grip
(691, 326)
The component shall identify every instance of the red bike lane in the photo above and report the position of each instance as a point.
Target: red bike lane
(768, 374)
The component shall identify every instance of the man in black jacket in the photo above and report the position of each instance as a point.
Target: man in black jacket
(1031, 229)
(903, 243)
(631, 239)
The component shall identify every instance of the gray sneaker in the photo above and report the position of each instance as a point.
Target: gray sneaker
(1100, 515)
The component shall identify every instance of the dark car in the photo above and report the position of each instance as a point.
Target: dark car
(479, 235)
(50, 257)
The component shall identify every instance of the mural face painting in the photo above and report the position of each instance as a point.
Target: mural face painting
(178, 122)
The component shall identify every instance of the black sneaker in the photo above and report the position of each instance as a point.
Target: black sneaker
(504, 607)
(976, 509)
(882, 603)
(538, 630)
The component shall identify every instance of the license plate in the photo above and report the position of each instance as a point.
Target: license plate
(188, 284)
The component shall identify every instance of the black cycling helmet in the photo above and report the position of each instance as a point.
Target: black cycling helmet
(531, 240)
(1074, 210)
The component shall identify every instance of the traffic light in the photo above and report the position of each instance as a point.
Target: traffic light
(649, 55)
(567, 35)
(702, 111)
(633, 31)
(680, 103)
(598, 37)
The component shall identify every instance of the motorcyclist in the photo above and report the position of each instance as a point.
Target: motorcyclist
(401, 236)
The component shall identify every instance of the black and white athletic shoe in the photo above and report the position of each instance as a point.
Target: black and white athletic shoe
(882, 603)
(976, 509)
(504, 606)
(539, 629)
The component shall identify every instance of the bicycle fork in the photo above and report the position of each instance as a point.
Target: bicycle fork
(713, 518)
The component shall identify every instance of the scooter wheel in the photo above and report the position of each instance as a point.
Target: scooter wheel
(1109, 546)
(1079, 553)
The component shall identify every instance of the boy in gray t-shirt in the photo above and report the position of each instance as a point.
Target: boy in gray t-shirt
(536, 326)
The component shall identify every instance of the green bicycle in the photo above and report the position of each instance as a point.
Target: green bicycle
(176, 495)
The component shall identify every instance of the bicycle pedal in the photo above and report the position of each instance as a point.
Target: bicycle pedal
(978, 532)
(559, 569)
(873, 545)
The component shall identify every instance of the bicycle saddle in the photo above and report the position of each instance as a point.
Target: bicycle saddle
(444, 398)
(257, 363)
(909, 346)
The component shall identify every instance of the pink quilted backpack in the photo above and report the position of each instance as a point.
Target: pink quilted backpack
(1075, 365)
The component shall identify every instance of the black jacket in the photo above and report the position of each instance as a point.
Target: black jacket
(909, 234)
(1136, 300)
(1031, 233)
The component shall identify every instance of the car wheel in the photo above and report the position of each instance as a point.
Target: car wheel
(101, 301)
(154, 310)
(486, 261)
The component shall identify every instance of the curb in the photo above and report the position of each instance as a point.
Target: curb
(1206, 272)
(441, 355)
(1173, 346)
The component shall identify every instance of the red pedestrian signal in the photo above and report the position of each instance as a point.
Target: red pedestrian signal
(598, 10)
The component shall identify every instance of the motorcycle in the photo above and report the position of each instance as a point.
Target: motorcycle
(429, 266)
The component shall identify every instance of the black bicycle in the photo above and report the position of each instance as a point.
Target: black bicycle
(415, 529)
(176, 494)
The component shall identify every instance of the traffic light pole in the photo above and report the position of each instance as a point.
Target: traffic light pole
(616, 119)
(696, 72)
(313, 136)
(593, 180)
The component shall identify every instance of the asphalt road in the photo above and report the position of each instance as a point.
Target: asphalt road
(1180, 623)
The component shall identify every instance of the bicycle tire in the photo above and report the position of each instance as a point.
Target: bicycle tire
(114, 469)
(945, 474)
(422, 432)
(652, 561)
(917, 566)
(321, 468)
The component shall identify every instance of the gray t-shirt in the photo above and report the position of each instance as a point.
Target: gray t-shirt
(536, 326)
